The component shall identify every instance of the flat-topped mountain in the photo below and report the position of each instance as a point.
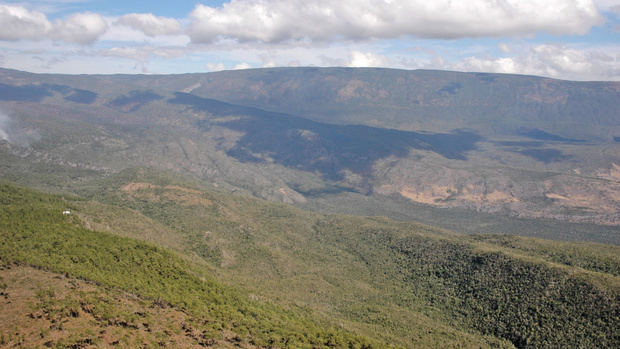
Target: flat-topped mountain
(368, 141)
(415, 99)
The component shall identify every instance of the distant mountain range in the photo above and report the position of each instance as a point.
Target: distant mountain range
(518, 146)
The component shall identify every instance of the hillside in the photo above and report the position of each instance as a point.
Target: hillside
(413, 100)
(131, 282)
(44, 309)
(404, 283)
(407, 144)
(401, 283)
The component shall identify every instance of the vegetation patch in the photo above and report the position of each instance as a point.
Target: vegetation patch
(35, 232)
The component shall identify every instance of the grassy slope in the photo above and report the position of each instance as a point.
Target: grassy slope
(41, 308)
(33, 231)
(406, 283)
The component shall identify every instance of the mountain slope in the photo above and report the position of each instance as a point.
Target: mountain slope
(514, 146)
(413, 100)
(403, 283)
(65, 129)
(406, 283)
(45, 309)
(34, 231)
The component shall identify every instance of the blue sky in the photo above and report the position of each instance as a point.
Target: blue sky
(177, 9)
(565, 39)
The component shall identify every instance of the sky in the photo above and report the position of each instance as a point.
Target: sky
(564, 39)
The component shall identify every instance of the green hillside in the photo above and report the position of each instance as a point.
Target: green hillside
(35, 232)
(403, 282)
(43, 309)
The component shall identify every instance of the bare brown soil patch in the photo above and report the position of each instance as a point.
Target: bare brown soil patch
(44, 309)
(182, 195)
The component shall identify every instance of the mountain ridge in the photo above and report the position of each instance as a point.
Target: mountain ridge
(302, 159)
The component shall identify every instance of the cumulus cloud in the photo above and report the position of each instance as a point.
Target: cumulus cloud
(505, 65)
(607, 5)
(18, 23)
(367, 59)
(80, 28)
(557, 61)
(150, 24)
(272, 21)
(242, 65)
(215, 66)
(143, 53)
(355, 33)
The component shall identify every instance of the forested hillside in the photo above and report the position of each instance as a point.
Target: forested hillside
(34, 232)
(400, 283)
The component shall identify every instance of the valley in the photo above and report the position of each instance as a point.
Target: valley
(309, 207)
(511, 167)
(349, 273)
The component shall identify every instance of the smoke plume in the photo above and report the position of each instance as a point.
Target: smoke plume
(4, 127)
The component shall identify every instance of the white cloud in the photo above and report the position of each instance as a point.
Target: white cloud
(143, 53)
(504, 47)
(496, 65)
(268, 33)
(607, 5)
(615, 9)
(215, 66)
(140, 54)
(81, 28)
(323, 20)
(18, 23)
(242, 65)
(118, 32)
(150, 24)
(49, 6)
(367, 59)
(558, 61)
(122, 33)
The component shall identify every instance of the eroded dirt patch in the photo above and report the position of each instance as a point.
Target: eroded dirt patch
(152, 192)
(44, 309)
